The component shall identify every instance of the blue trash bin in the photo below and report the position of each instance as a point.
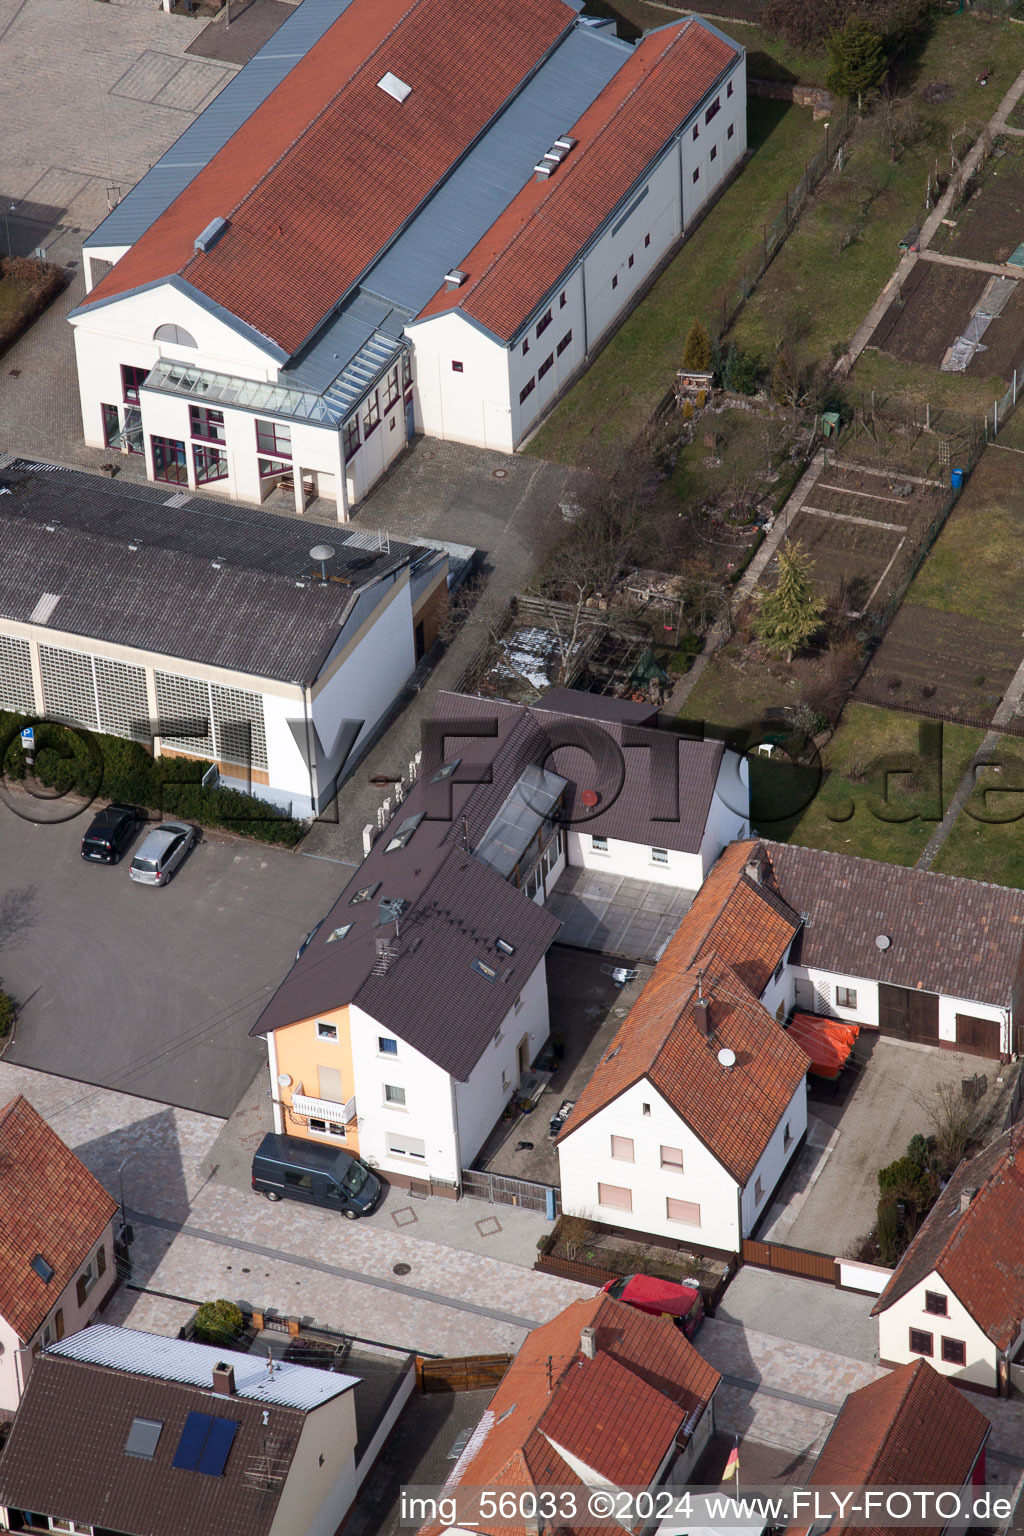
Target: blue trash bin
(956, 479)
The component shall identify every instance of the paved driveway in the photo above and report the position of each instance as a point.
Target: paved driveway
(149, 991)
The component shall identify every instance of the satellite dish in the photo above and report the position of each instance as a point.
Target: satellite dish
(726, 1057)
(883, 941)
(323, 553)
(284, 1080)
(590, 797)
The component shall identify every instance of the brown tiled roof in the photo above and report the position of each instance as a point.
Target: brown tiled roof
(911, 1428)
(50, 1205)
(976, 1252)
(958, 937)
(596, 706)
(65, 1456)
(732, 937)
(527, 250)
(628, 814)
(330, 167)
(617, 1413)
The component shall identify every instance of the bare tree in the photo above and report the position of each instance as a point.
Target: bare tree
(899, 119)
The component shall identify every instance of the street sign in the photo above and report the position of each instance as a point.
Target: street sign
(28, 737)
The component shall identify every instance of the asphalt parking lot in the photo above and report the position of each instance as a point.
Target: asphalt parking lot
(150, 991)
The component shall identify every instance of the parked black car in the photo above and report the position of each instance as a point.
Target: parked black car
(292, 1168)
(110, 833)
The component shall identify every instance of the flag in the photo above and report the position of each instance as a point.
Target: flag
(732, 1466)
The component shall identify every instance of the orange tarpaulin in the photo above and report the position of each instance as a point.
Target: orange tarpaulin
(827, 1042)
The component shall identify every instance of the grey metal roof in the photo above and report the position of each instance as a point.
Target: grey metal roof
(211, 130)
(483, 184)
(193, 586)
(150, 1354)
(354, 327)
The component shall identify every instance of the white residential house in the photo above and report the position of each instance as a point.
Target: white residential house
(267, 311)
(956, 1298)
(57, 1261)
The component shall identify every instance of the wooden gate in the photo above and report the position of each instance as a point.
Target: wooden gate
(789, 1261)
(978, 1037)
(461, 1373)
(908, 1014)
(502, 1189)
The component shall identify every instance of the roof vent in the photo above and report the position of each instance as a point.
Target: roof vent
(554, 157)
(965, 1200)
(543, 170)
(394, 87)
(210, 235)
(702, 1016)
(454, 279)
(588, 1342)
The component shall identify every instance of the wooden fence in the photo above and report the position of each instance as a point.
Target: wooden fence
(790, 1261)
(503, 1189)
(574, 1269)
(464, 1373)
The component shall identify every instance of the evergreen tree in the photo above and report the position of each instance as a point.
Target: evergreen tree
(790, 613)
(858, 60)
(697, 350)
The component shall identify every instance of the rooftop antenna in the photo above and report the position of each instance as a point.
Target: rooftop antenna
(323, 553)
(700, 989)
(549, 1373)
(465, 833)
(270, 1363)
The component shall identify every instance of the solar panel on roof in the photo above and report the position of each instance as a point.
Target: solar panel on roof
(218, 1443)
(191, 1442)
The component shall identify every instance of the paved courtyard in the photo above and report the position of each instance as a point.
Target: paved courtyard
(830, 1196)
(150, 991)
(617, 916)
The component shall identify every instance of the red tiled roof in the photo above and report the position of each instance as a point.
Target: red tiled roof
(976, 1251)
(50, 1204)
(911, 1429)
(618, 1413)
(526, 250)
(734, 934)
(330, 167)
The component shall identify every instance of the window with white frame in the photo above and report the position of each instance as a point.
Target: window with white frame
(327, 1128)
(622, 1149)
(393, 1094)
(599, 845)
(386, 1046)
(325, 1030)
(758, 1190)
(846, 997)
(405, 1146)
(672, 1158)
(687, 1211)
(615, 1197)
(659, 855)
(517, 1005)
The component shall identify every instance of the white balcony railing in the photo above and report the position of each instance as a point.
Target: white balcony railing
(324, 1109)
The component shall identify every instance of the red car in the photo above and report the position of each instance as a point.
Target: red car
(661, 1298)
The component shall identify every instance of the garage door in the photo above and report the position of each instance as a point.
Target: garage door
(907, 1014)
(978, 1037)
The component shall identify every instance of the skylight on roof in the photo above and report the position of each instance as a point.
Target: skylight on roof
(504, 947)
(483, 969)
(339, 933)
(365, 893)
(142, 1438)
(446, 770)
(405, 831)
(44, 1270)
(394, 87)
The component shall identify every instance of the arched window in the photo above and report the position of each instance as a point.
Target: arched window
(175, 333)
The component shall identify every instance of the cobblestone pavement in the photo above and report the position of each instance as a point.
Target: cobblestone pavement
(195, 1239)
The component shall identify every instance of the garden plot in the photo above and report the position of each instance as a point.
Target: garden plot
(934, 312)
(991, 227)
(861, 527)
(957, 665)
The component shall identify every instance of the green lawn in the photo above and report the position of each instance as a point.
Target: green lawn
(730, 697)
(816, 292)
(987, 840)
(619, 391)
(843, 814)
(976, 566)
(914, 384)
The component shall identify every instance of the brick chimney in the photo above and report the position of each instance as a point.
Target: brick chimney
(702, 1015)
(588, 1342)
(224, 1379)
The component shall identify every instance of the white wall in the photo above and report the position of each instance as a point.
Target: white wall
(866, 1012)
(895, 1323)
(322, 1480)
(633, 861)
(585, 1160)
(468, 407)
(480, 1101)
(426, 1115)
(725, 824)
(610, 281)
(567, 328)
(773, 1160)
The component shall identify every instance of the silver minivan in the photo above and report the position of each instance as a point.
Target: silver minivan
(161, 851)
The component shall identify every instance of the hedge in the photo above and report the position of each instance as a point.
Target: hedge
(40, 282)
(75, 761)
